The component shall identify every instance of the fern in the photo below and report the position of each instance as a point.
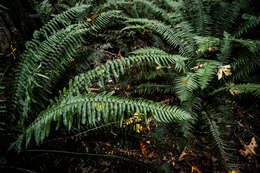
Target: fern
(118, 67)
(93, 109)
(241, 88)
(179, 36)
(153, 88)
(52, 52)
(244, 67)
(206, 73)
(250, 22)
(222, 146)
(182, 43)
(185, 85)
(28, 59)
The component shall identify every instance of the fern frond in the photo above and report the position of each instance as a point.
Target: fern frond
(250, 22)
(251, 45)
(198, 14)
(156, 75)
(153, 88)
(2, 106)
(58, 22)
(206, 43)
(28, 59)
(117, 67)
(185, 85)
(241, 88)
(95, 109)
(226, 48)
(222, 146)
(224, 15)
(177, 36)
(54, 54)
(243, 67)
(206, 72)
(144, 51)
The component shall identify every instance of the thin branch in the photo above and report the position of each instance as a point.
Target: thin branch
(86, 155)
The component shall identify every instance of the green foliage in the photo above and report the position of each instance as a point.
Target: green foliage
(173, 48)
(93, 109)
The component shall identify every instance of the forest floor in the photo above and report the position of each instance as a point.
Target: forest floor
(150, 149)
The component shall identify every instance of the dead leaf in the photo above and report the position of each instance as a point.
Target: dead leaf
(151, 155)
(195, 169)
(235, 91)
(93, 89)
(248, 149)
(89, 19)
(219, 74)
(186, 82)
(198, 51)
(226, 69)
(143, 149)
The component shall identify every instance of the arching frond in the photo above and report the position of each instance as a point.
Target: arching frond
(241, 88)
(117, 67)
(54, 54)
(177, 36)
(250, 22)
(94, 109)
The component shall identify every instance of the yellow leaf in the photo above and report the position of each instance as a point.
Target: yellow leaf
(13, 49)
(137, 128)
(234, 91)
(219, 74)
(224, 69)
(71, 59)
(233, 171)
(195, 169)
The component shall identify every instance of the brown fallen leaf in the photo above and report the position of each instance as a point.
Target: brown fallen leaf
(209, 156)
(183, 153)
(143, 149)
(151, 155)
(248, 149)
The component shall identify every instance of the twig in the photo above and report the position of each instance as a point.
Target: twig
(21, 169)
